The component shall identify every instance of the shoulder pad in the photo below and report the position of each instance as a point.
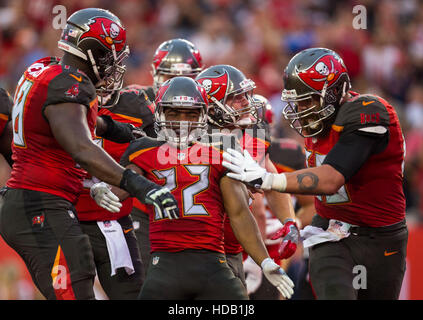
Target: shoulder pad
(72, 86)
(360, 112)
(6, 102)
(138, 145)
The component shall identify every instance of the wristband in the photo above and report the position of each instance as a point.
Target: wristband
(136, 185)
(279, 182)
(266, 261)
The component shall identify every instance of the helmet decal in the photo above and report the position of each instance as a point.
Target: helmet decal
(158, 57)
(325, 69)
(216, 86)
(107, 32)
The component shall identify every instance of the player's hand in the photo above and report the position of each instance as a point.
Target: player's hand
(137, 132)
(253, 275)
(104, 197)
(290, 236)
(164, 201)
(277, 277)
(246, 170)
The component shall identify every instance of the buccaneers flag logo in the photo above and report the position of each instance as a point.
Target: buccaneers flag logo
(326, 69)
(216, 87)
(107, 32)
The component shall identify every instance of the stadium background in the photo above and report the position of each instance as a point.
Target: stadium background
(258, 37)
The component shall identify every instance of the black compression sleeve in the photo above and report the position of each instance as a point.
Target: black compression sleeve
(136, 185)
(116, 131)
(353, 149)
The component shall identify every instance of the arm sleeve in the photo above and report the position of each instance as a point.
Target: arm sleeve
(353, 149)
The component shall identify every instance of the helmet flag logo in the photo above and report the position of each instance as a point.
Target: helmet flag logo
(110, 33)
(216, 86)
(323, 70)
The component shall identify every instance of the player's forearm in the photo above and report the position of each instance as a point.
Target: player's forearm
(259, 212)
(307, 211)
(98, 163)
(247, 233)
(319, 180)
(123, 194)
(280, 204)
(243, 224)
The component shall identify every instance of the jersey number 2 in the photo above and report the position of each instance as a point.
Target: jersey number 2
(189, 207)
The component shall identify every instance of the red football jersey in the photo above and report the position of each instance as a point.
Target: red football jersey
(257, 141)
(40, 163)
(193, 176)
(374, 195)
(132, 107)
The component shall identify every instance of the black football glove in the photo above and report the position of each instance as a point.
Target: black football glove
(150, 193)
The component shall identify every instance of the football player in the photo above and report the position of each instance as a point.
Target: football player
(287, 155)
(175, 57)
(54, 117)
(98, 223)
(191, 249)
(232, 109)
(355, 154)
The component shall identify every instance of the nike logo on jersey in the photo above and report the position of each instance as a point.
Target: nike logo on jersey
(387, 254)
(127, 230)
(222, 260)
(79, 79)
(365, 103)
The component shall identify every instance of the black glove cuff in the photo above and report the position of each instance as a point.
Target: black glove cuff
(136, 185)
(116, 131)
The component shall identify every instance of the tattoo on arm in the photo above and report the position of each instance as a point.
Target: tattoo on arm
(307, 181)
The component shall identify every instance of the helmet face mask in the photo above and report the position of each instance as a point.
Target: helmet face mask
(307, 116)
(98, 38)
(176, 97)
(112, 82)
(264, 108)
(176, 57)
(230, 95)
(316, 82)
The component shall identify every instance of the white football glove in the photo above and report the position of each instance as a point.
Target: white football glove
(104, 197)
(253, 274)
(277, 277)
(245, 169)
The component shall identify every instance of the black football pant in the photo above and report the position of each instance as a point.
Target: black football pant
(369, 264)
(235, 262)
(191, 275)
(44, 231)
(120, 286)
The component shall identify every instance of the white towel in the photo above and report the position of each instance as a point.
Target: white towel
(336, 231)
(116, 246)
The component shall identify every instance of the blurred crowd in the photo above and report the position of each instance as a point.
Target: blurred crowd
(258, 37)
